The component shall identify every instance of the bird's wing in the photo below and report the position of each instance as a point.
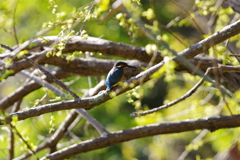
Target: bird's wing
(114, 76)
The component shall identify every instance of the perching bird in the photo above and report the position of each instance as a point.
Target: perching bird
(115, 74)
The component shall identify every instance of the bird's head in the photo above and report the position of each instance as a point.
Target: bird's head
(120, 64)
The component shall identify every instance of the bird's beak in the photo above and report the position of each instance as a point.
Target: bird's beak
(131, 66)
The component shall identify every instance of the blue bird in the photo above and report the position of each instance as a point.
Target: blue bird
(115, 74)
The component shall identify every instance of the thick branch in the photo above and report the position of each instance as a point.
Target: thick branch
(144, 76)
(63, 128)
(210, 123)
(122, 50)
(85, 103)
(93, 44)
(106, 47)
(78, 66)
(218, 37)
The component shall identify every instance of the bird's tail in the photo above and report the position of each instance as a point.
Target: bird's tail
(108, 88)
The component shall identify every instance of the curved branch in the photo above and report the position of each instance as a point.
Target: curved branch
(144, 76)
(92, 44)
(210, 123)
(183, 97)
(82, 67)
(221, 68)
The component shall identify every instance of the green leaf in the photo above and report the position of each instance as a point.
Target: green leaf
(22, 53)
(14, 120)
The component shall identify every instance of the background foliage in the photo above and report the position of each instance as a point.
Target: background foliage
(170, 26)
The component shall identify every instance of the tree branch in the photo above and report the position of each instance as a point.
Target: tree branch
(63, 128)
(52, 77)
(144, 76)
(186, 95)
(27, 88)
(81, 111)
(210, 123)
(86, 103)
(92, 44)
(221, 68)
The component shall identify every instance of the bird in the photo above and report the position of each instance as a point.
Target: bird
(115, 74)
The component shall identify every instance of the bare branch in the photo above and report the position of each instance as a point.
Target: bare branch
(190, 16)
(14, 22)
(6, 47)
(195, 141)
(210, 123)
(44, 84)
(63, 128)
(11, 144)
(81, 111)
(205, 44)
(191, 91)
(50, 76)
(186, 95)
(78, 66)
(11, 134)
(92, 44)
(85, 103)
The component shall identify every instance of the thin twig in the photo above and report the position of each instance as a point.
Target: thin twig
(225, 101)
(11, 134)
(189, 14)
(13, 128)
(48, 74)
(192, 90)
(11, 144)
(6, 47)
(195, 141)
(188, 94)
(14, 22)
(24, 141)
(44, 84)
(85, 20)
(29, 87)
